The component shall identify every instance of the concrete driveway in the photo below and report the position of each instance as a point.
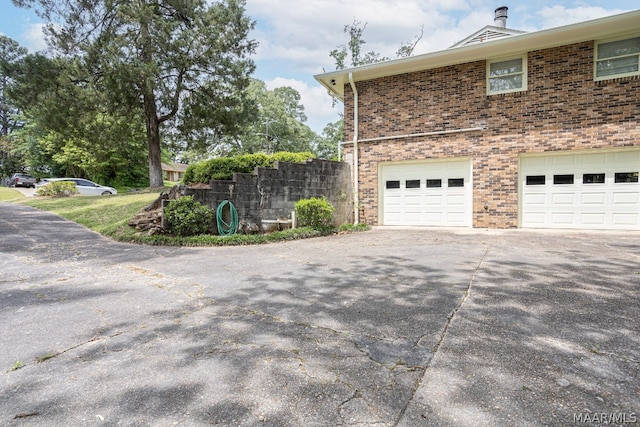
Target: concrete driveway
(391, 327)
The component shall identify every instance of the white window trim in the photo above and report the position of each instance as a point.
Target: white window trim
(613, 76)
(524, 73)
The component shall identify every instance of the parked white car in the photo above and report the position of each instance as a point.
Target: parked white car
(84, 186)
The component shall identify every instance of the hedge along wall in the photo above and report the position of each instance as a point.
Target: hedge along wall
(270, 193)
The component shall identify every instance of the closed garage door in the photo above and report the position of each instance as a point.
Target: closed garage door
(429, 193)
(589, 191)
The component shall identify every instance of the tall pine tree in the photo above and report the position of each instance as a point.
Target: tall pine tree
(185, 61)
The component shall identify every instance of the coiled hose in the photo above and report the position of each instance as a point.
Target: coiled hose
(227, 228)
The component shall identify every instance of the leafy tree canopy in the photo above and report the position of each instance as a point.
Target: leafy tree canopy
(276, 123)
(10, 53)
(69, 130)
(185, 61)
(351, 54)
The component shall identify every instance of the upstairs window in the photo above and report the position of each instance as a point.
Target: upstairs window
(504, 76)
(617, 59)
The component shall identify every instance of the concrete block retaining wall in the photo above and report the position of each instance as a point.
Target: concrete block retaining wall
(270, 193)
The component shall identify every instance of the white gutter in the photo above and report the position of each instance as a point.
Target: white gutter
(356, 201)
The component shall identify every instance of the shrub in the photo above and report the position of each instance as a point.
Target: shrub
(189, 174)
(285, 156)
(316, 213)
(225, 167)
(58, 189)
(350, 228)
(188, 217)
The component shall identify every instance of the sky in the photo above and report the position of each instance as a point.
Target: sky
(295, 37)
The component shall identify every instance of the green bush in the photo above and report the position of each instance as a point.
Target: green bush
(316, 213)
(188, 217)
(58, 189)
(285, 156)
(350, 228)
(225, 167)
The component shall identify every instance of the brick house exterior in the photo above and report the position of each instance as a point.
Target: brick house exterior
(417, 111)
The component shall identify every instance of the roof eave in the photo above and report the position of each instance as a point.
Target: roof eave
(610, 26)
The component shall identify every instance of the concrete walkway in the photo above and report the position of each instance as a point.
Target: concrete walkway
(393, 327)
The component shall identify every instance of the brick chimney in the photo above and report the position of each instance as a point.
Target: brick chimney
(501, 17)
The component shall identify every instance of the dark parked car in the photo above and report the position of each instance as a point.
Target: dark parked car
(22, 180)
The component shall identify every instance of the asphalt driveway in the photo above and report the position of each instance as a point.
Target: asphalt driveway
(393, 327)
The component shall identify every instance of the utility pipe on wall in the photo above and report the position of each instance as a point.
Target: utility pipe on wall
(356, 201)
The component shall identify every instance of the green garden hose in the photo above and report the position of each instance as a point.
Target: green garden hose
(227, 228)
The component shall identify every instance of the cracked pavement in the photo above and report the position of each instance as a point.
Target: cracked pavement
(392, 327)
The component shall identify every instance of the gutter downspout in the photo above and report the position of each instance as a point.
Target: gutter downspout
(356, 201)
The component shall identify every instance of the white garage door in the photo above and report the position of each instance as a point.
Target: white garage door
(431, 193)
(590, 191)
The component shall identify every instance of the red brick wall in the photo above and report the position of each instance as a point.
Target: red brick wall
(563, 109)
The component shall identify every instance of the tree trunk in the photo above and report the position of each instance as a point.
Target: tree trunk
(4, 113)
(153, 141)
(151, 112)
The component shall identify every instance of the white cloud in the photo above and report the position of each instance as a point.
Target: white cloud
(34, 38)
(305, 33)
(556, 16)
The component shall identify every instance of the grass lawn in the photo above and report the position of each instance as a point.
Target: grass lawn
(109, 215)
(7, 194)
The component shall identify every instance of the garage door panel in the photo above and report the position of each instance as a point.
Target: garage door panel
(629, 157)
(434, 199)
(535, 199)
(599, 198)
(436, 204)
(394, 216)
(594, 161)
(455, 217)
(562, 217)
(393, 200)
(594, 200)
(413, 217)
(456, 200)
(535, 218)
(563, 198)
(626, 219)
(534, 162)
(434, 217)
(593, 218)
(413, 200)
(626, 198)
